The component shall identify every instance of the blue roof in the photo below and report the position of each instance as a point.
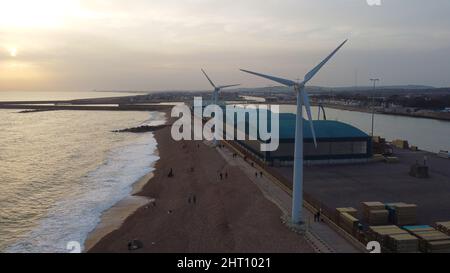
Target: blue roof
(325, 129)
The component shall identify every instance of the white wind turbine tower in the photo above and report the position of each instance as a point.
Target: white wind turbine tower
(216, 92)
(302, 100)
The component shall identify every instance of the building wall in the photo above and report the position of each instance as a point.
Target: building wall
(327, 149)
(337, 150)
(254, 147)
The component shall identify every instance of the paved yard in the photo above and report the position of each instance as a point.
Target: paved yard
(349, 185)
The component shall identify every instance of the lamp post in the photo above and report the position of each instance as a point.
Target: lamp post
(373, 102)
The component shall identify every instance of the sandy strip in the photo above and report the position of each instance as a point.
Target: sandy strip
(113, 218)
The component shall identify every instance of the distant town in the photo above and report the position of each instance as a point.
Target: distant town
(417, 101)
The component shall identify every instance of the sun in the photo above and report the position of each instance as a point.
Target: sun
(13, 52)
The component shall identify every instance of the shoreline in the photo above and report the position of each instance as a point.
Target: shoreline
(114, 217)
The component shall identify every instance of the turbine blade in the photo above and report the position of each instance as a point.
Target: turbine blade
(316, 69)
(308, 111)
(210, 81)
(272, 78)
(228, 86)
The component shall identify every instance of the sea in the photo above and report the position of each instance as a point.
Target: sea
(60, 170)
(429, 135)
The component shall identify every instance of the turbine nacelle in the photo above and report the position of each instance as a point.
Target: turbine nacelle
(299, 86)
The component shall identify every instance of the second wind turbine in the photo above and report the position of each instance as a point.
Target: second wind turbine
(216, 93)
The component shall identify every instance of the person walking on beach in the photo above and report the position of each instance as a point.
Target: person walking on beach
(261, 174)
(226, 175)
(317, 216)
(319, 213)
(192, 199)
(170, 173)
(221, 176)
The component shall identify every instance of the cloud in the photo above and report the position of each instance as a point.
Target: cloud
(154, 45)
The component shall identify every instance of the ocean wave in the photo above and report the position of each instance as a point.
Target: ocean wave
(73, 218)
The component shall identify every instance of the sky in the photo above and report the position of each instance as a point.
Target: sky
(156, 45)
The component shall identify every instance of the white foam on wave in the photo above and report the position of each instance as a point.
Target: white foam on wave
(72, 219)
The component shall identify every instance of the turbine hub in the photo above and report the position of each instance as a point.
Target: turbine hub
(299, 86)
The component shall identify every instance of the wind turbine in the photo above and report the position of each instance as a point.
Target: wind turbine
(302, 100)
(216, 92)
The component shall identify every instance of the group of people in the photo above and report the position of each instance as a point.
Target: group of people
(223, 176)
(258, 175)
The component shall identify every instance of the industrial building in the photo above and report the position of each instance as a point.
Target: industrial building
(337, 143)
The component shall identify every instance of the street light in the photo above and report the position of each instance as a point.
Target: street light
(373, 102)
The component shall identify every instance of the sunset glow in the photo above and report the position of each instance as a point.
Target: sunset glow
(142, 44)
(13, 52)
